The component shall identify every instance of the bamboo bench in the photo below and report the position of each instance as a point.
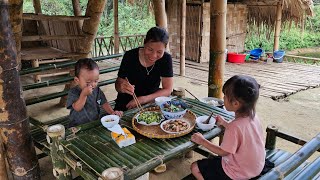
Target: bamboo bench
(287, 165)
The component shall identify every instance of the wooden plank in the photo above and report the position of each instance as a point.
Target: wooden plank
(45, 53)
(51, 37)
(42, 17)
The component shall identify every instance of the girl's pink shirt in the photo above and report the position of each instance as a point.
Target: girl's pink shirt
(243, 139)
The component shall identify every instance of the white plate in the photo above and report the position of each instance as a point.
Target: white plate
(169, 132)
(212, 101)
(151, 124)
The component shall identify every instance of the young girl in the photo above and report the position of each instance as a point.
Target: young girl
(242, 153)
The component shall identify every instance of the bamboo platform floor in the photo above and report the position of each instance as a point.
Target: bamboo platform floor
(277, 80)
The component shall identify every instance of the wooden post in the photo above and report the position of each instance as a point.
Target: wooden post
(183, 38)
(14, 122)
(278, 26)
(116, 27)
(271, 137)
(3, 168)
(77, 12)
(218, 11)
(90, 26)
(160, 13)
(60, 168)
(37, 7)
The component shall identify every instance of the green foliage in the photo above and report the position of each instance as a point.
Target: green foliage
(132, 20)
(313, 23)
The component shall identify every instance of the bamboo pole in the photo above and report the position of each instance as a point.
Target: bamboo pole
(14, 123)
(42, 17)
(37, 6)
(160, 13)
(218, 13)
(116, 26)
(271, 137)
(77, 12)
(50, 37)
(3, 168)
(183, 38)
(294, 160)
(60, 168)
(90, 26)
(278, 26)
(64, 64)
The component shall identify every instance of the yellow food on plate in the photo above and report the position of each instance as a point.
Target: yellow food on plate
(123, 141)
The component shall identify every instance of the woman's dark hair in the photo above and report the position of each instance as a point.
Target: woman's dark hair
(86, 63)
(157, 34)
(244, 89)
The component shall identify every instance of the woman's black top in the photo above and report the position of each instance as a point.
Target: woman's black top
(138, 76)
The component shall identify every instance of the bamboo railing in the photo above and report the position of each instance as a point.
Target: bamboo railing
(302, 59)
(105, 45)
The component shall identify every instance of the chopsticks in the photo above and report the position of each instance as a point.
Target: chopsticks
(192, 95)
(135, 98)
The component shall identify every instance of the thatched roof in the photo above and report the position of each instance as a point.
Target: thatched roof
(264, 11)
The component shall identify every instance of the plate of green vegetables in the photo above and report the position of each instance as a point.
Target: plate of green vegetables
(149, 118)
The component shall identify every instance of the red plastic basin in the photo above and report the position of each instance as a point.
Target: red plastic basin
(236, 58)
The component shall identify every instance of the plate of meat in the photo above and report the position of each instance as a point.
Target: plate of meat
(173, 126)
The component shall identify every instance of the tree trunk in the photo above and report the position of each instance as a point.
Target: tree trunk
(278, 26)
(183, 39)
(160, 13)
(116, 26)
(218, 13)
(15, 11)
(14, 123)
(90, 26)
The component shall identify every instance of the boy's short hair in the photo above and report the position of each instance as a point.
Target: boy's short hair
(85, 63)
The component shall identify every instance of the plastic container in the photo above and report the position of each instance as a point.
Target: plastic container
(256, 53)
(278, 56)
(236, 58)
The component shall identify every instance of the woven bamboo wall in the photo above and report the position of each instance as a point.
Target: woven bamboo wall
(236, 28)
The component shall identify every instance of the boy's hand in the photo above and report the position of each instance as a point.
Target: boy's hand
(220, 121)
(198, 138)
(87, 90)
(119, 113)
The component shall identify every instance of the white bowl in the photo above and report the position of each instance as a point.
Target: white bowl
(170, 132)
(205, 127)
(172, 115)
(161, 99)
(115, 121)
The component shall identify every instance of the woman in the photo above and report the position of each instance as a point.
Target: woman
(142, 69)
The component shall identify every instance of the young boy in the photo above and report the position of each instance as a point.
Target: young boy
(85, 99)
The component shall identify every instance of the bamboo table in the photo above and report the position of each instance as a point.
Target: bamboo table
(92, 150)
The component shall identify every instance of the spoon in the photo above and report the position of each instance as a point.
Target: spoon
(207, 120)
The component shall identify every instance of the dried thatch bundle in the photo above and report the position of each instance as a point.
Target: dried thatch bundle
(263, 12)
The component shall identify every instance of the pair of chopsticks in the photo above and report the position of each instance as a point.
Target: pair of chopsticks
(135, 98)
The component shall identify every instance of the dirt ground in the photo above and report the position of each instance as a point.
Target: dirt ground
(298, 115)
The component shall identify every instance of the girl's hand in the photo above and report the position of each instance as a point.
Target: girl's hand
(198, 138)
(119, 113)
(220, 121)
(87, 90)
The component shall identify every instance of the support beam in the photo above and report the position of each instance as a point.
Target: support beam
(183, 38)
(77, 12)
(37, 6)
(218, 11)
(160, 13)
(90, 26)
(14, 122)
(278, 26)
(116, 26)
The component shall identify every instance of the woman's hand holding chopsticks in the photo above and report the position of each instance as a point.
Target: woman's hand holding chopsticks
(135, 102)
